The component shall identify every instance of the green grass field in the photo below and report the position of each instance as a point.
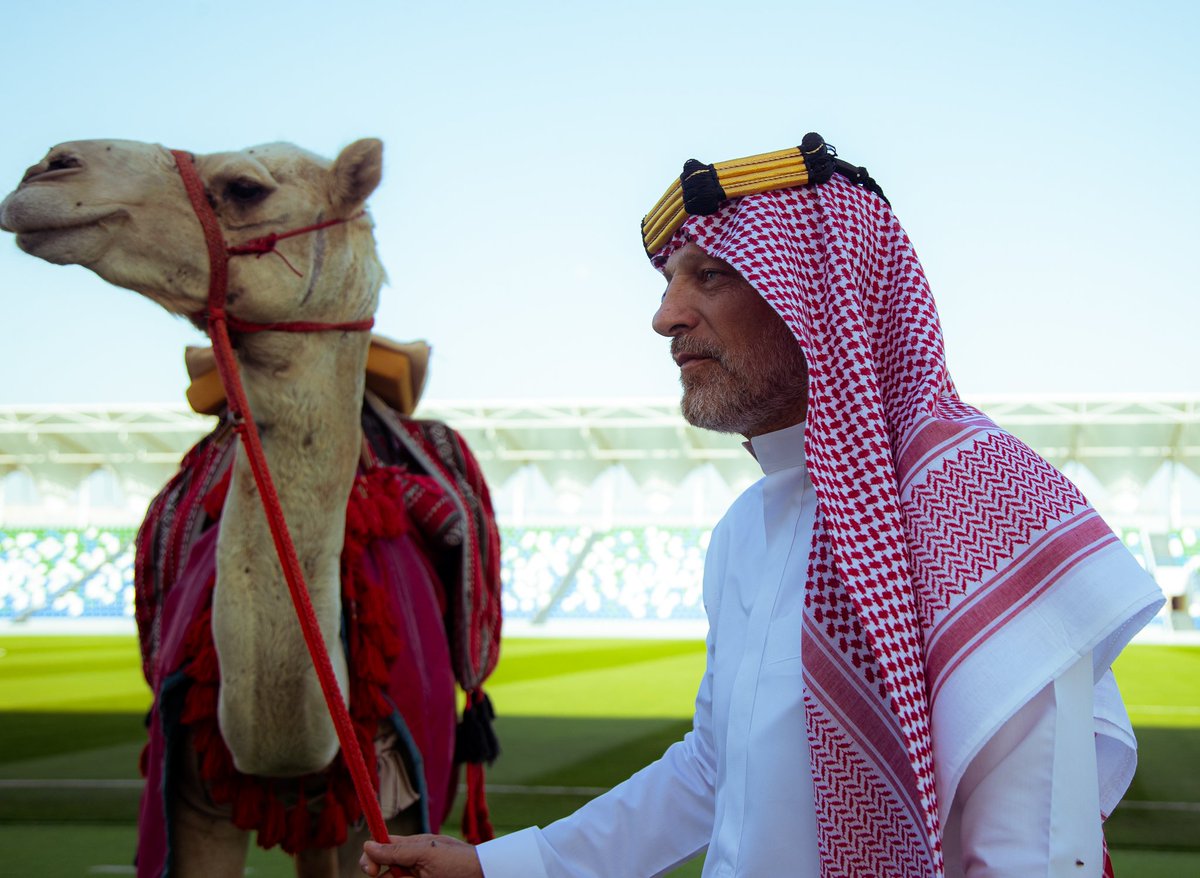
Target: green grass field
(575, 716)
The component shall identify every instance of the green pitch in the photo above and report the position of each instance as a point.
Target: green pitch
(576, 716)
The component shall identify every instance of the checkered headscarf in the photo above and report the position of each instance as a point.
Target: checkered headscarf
(942, 543)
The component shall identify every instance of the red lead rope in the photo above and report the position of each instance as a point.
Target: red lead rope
(218, 330)
(266, 244)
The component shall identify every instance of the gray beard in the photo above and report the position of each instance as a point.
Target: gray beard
(750, 392)
(746, 405)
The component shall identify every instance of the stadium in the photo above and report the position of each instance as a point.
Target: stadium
(605, 507)
(605, 510)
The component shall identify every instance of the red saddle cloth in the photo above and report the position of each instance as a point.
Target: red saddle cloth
(421, 611)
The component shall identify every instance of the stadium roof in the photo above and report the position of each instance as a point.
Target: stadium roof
(1113, 437)
(62, 445)
(1117, 439)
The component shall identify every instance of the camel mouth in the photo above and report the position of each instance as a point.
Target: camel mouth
(77, 240)
(37, 227)
(33, 176)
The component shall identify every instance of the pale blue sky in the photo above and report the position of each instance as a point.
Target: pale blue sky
(1042, 156)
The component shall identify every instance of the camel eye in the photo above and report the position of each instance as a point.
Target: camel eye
(245, 191)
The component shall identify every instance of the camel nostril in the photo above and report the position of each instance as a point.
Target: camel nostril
(61, 162)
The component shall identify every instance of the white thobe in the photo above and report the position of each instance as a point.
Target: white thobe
(740, 784)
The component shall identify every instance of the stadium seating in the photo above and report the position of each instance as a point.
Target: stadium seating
(627, 573)
(65, 573)
(634, 574)
(631, 573)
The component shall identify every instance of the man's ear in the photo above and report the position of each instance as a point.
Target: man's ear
(356, 173)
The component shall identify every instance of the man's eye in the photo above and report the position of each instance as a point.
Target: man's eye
(709, 274)
(245, 191)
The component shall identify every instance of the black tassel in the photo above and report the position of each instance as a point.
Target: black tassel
(860, 177)
(702, 192)
(476, 740)
(818, 157)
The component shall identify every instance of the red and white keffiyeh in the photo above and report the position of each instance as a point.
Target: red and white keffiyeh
(954, 573)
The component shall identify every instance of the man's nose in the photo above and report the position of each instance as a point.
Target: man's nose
(675, 315)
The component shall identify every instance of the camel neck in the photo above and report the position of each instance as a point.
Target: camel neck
(305, 394)
(295, 383)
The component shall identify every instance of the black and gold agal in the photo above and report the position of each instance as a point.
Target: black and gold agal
(701, 188)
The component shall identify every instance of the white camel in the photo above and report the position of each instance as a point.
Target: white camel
(119, 208)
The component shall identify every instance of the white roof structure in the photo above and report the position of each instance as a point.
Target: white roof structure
(628, 460)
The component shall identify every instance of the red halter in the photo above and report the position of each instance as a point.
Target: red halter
(218, 325)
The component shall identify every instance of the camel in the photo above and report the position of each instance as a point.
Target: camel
(120, 209)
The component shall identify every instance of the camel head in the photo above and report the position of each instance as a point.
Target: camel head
(119, 208)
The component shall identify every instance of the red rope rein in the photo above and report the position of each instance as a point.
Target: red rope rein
(219, 324)
(266, 244)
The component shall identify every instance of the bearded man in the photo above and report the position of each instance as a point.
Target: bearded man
(911, 615)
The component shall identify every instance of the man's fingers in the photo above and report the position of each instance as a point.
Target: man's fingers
(430, 856)
(369, 867)
(375, 867)
(403, 847)
(401, 850)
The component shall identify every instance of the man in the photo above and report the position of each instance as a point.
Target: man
(911, 616)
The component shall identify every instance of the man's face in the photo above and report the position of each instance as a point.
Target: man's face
(742, 370)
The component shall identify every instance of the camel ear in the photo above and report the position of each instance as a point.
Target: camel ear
(356, 172)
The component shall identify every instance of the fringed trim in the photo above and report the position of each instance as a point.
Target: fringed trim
(312, 811)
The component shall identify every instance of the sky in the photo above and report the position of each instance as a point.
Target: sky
(1041, 155)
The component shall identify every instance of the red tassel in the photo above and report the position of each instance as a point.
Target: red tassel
(204, 667)
(354, 519)
(200, 704)
(389, 642)
(372, 666)
(371, 519)
(470, 822)
(216, 762)
(477, 824)
(331, 825)
(297, 832)
(372, 605)
(274, 825)
(248, 805)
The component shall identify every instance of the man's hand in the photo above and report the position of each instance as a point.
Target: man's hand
(422, 856)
